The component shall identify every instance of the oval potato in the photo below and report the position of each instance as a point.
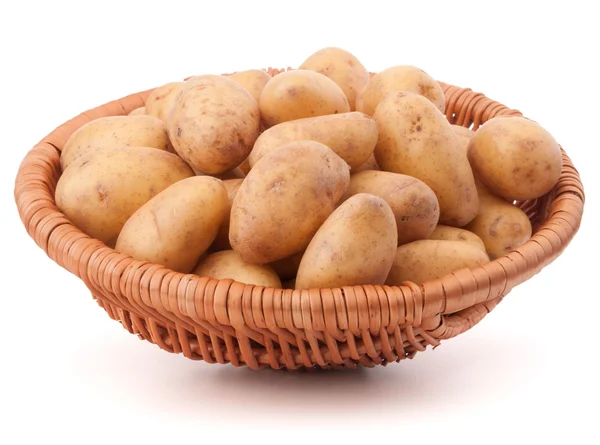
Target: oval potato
(355, 245)
(115, 132)
(342, 67)
(284, 199)
(100, 191)
(425, 260)
(352, 136)
(229, 264)
(298, 94)
(222, 240)
(416, 139)
(253, 81)
(161, 100)
(449, 233)
(176, 226)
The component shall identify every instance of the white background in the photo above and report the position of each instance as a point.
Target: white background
(68, 373)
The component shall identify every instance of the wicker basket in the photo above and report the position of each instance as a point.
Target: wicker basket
(221, 321)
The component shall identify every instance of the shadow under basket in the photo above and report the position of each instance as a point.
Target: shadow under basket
(221, 321)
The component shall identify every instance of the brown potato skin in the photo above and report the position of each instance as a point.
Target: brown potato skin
(137, 111)
(352, 136)
(416, 139)
(355, 245)
(464, 135)
(176, 226)
(515, 158)
(161, 100)
(399, 78)
(287, 268)
(342, 67)
(449, 233)
(213, 124)
(115, 132)
(222, 239)
(98, 192)
(284, 199)
(253, 81)
(415, 206)
(229, 264)
(501, 226)
(298, 94)
(425, 260)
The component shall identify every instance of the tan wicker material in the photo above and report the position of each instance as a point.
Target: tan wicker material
(221, 321)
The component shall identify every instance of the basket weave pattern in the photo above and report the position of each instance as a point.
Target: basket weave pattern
(221, 321)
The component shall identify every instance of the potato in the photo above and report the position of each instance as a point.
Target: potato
(352, 136)
(222, 240)
(515, 158)
(213, 124)
(355, 245)
(115, 132)
(426, 260)
(415, 206)
(300, 93)
(287, 268)
(399, 78)
(161, 100)
(464, 135)
(341, 67)
(416, 139)
(98, 192)
(229, 264)
(369, 164)
(253, 81)
(137, 111)
(284, 199)
(501, 226)
(449, 233)
(176, 226)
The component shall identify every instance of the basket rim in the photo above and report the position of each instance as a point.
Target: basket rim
(459, 299)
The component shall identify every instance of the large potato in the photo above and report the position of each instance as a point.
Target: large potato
(98, 192)
(515, 157)
(501, 225)
(352, 136)
(416, 139)
(161, 100)
(176, 226)
(229, 264)
(300, 93)
(399, 78)
(213, 124)
(426, 260)
(284, 199)
(415, 206)
(355, 245)
(222, 240)
(449, 233)
(115, 132)
(253, 81)
(341, 67)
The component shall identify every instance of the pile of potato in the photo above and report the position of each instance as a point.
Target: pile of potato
(317, 177)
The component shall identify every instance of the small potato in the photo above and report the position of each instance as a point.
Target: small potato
(515, 158)
(287, 268)
(229, 264)
(137, 111)
(464, 135)
(298, 94)
(222, 240)
(284, 199)
(501, 225)
(399, 78)
(355, 245)
(426, 260)
(213, 124)
(100, 191)
(352, 136)
(176, 226)
(253, 81)
(161, 100)
(369, 164)
(449, 233)
(415, 206)
(416, 139)
(341, 67)
(115, 132)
